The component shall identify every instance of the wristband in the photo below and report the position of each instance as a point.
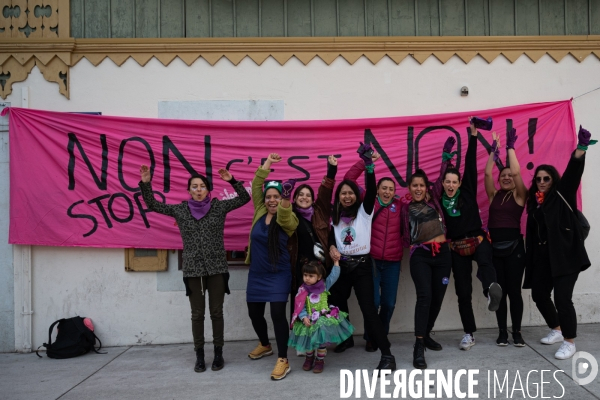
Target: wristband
(370, 168)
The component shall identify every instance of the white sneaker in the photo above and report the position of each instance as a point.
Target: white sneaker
(553, 337)
(467, 342)
(566, 350)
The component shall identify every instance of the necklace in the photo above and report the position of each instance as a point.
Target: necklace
(507, 197)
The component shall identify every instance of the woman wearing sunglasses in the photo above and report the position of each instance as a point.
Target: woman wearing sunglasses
(555, 249)
(508, 250)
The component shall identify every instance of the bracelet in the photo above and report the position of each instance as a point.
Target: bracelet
(582, 147)
(370, 168)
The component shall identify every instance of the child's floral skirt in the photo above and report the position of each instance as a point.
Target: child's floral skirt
(325, 329)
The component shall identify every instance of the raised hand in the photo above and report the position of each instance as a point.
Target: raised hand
(274, 158)
(332, 160)
(449, 144)
(286, 189)
(376, 156)
(363, 150)
(511, 138)
(145, 173)
(225, 175)
(584, 137)
(495, 146)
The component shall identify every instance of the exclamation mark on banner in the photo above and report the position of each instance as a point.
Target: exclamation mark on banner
(531, 129)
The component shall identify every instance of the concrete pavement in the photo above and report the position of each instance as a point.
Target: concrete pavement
(166, 372)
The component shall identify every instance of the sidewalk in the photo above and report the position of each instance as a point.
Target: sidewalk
(166, 372)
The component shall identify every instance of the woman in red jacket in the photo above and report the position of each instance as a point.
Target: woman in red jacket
(386, 249)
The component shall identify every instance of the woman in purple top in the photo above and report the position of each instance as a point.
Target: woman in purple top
(506, 209)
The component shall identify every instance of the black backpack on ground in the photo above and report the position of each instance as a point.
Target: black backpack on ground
(73, 339)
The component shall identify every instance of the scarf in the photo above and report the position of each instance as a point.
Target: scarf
(539, 197)
(449, 203)
(345, 217)
(382, 204)
(199, 208)
(303, 292)
(306, 213)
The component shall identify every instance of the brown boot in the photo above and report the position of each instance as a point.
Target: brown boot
(319, 364)
(308, 362)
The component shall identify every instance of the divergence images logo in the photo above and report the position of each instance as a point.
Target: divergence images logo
(581, 364)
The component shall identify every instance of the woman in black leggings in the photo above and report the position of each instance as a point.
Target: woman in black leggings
(350, 242)
(555, 250)
(270, 274)
(508, 249)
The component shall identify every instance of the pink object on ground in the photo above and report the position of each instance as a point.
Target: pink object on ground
(89, 324)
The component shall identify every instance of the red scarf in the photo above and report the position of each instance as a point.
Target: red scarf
(539, 197)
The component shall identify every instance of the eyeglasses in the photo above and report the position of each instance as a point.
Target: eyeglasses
(546, 179)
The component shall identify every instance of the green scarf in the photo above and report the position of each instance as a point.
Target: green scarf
(449, 204)
(382, 204)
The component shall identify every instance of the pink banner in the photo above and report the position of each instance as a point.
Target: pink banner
(74, 177)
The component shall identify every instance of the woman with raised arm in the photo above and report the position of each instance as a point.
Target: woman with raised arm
(312, 236)
(350, 242)
(201, 222)
(506, 208)
(468, 241)
(423, 230)
(270, 274)
(386, 247)
(555, 246)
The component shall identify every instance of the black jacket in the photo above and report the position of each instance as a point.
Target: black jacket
(564, 234)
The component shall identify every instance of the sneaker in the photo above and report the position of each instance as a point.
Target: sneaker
(308, 362)
(553, 337)
(282, 368)
(261, 351)
(319, 364)
(518, 339)
(494, 296)
(467, 342)
(566, 350)
(503, 338)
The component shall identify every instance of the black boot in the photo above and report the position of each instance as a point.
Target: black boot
(419, 354)
(431, 344)
(346, 344)
(218, 362)
(387, 362)
(200, 365)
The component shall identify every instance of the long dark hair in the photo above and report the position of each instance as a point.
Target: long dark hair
(299, 188)
(273, 242)
(419, 174)
(351, 211)
(531, 202)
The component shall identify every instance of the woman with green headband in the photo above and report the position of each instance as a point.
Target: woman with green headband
(270, 274)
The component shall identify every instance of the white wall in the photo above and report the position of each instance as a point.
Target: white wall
(128, 308)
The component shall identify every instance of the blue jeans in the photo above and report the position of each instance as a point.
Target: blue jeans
(386, 275)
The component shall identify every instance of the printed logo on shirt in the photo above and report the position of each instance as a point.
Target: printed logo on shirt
(348, 235)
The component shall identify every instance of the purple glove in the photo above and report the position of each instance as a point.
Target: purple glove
(511, 138)
(584, 137)
(286, 189)
(496, 151)
(449, 144)
(365, 151)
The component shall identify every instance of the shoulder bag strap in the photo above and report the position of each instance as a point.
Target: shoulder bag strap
(568, 205)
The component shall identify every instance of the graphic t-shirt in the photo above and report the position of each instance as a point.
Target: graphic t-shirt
(354, 238)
